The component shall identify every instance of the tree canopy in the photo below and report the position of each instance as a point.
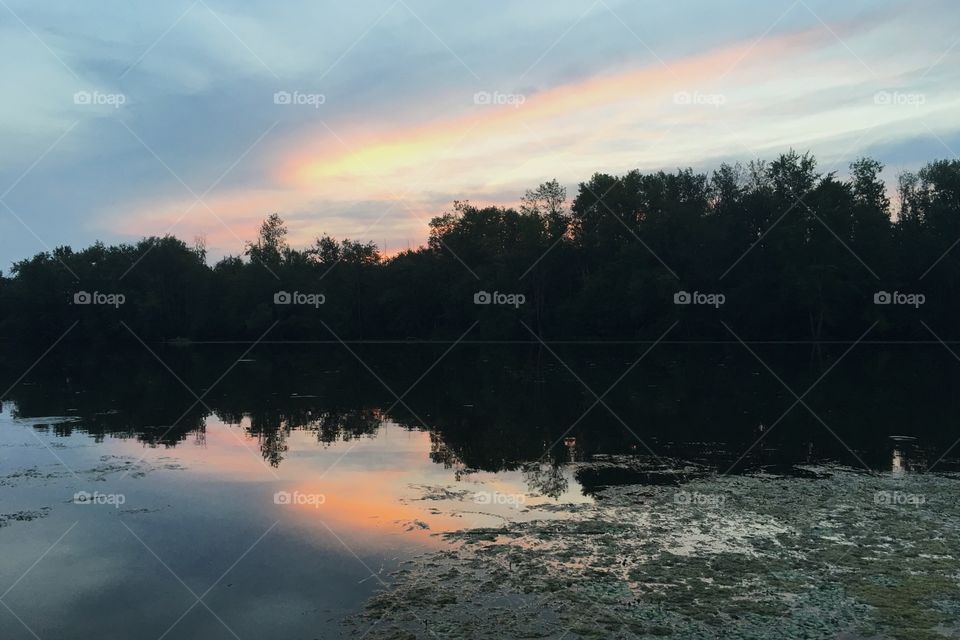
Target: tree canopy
(794, 253)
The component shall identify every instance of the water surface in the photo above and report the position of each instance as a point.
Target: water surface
(192, 493)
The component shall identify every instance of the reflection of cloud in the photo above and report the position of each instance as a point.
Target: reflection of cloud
(363, 489)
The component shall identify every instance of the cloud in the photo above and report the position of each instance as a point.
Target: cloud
(584, 86)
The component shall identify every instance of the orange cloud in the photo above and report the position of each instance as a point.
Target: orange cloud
(613, 121)
(627, 95)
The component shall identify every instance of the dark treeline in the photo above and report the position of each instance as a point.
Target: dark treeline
(795, 253)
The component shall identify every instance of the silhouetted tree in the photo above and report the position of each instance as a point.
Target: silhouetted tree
(798, 254)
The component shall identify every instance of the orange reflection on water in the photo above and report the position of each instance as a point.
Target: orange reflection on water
(360, 489)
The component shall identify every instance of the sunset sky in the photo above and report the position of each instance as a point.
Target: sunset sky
(126, 119)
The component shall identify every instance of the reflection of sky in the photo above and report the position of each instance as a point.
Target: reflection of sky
(200, 506)
(371, 487)
(399, 134)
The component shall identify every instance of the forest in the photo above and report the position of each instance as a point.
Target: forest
(770, 250)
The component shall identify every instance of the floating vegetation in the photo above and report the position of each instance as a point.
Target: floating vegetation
(828, 552)
(23, 516)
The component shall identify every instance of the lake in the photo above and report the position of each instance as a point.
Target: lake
(324, 491)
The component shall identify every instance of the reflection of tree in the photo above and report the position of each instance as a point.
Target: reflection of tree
(273, 444)
(494, 409)
(346, 425)
(273, 428)
(545, 479)
(907, 457)
(441, 453)
(271, 431)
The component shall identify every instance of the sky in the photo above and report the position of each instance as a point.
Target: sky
(198, 118)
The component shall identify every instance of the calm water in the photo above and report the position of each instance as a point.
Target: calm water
(275, 498)
(203, 518)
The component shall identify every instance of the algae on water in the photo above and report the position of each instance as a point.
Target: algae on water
(833, 554)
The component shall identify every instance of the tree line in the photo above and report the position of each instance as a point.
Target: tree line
(769, 250)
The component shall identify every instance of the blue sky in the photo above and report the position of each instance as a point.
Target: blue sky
(126, 119)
